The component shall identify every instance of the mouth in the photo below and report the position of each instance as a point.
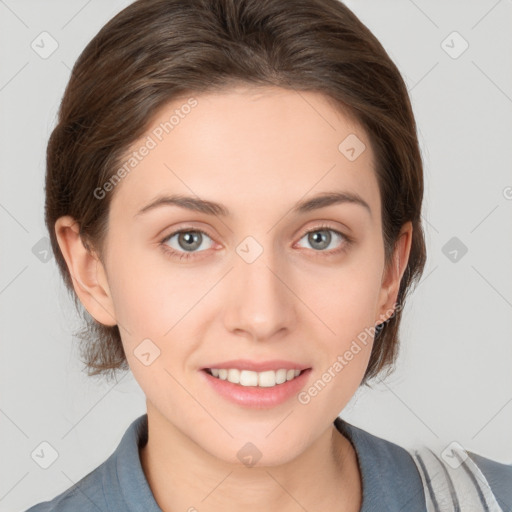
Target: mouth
(249, 378)
(256, 389)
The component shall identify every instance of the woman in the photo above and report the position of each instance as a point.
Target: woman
(233, 194)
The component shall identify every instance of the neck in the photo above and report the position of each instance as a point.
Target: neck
(183, 476)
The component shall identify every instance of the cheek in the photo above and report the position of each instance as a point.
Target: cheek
(147, 299)
(152, 302)
(344, 347)
(344, 302)
(345, 299)
(152, 311)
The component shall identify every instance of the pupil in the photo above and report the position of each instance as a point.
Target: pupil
(191, 240)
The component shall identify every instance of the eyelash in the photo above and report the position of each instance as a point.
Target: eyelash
(172, 253)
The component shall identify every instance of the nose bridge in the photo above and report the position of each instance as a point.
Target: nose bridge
(260, 302)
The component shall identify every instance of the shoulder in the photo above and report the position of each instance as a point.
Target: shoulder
(473, 478)
(87, 494)
(114, 484)
(384, 453)
(389, 474)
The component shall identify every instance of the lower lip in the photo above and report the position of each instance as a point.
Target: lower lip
(255, 396)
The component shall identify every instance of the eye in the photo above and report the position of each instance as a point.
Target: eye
(189, 240)
(321, 237)
(186, 243)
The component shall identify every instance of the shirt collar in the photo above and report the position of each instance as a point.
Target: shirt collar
(390, 478)
(133, 485)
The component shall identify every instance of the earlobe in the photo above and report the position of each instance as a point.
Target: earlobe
(83, 266)
(393, 274)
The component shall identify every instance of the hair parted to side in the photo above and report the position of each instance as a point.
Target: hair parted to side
(155, 51)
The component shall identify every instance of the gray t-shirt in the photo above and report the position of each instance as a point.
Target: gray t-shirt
(390, 479)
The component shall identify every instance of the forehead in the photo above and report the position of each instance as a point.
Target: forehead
(248, 147)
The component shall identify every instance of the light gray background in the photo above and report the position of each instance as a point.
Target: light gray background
(453, 380)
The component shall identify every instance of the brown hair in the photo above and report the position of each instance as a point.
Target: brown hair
(155, 51)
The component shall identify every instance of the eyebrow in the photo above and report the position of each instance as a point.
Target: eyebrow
(321, 200)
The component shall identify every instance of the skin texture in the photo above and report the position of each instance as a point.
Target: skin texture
(257, 151)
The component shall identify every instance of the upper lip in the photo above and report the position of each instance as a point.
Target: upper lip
(258, 366)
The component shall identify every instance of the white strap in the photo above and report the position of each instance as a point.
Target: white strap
(452, 481)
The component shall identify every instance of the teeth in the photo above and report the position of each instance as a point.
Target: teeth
(265, 379)
(233, 375)
(248, 378)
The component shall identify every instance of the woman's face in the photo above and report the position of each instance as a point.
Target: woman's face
(254, 286)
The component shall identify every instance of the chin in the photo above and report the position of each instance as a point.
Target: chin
(257, 452)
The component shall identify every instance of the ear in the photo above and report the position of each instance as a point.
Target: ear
(392, 275)
(87, 272)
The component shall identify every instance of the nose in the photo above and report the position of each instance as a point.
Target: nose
(260, 303)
